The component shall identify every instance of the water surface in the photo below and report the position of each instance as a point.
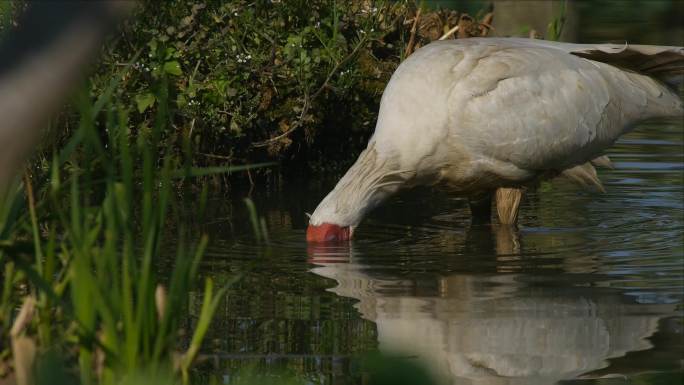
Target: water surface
(588, 288)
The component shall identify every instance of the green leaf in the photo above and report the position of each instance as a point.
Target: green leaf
(173, 68)
(209, 305)
(203, 171)
(144, 101)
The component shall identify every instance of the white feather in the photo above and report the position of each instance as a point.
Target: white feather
(479, 114)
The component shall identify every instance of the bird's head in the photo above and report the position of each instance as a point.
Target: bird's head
(334, 219)
(363, 187)
(328, 233)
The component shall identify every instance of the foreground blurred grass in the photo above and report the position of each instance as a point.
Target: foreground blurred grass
(79, 247)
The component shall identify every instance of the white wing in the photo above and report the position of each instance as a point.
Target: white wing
(518, 102)
(542, 108)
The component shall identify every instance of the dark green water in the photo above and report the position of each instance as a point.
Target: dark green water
(588, 289)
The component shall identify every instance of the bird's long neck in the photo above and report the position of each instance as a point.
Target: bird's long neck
(371, 179)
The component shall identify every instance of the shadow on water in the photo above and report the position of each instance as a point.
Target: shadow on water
(588, 289)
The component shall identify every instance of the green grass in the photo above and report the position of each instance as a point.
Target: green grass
(83, 238)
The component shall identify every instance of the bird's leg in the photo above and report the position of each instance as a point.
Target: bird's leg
(481, 209)
(508, 204)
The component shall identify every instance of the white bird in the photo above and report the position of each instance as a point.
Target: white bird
(486, 116)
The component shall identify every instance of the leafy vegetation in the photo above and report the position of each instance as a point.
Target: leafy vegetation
(262, 81)
(81, 253)
(9, 10)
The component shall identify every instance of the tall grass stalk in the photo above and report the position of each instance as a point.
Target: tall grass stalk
(554, 30)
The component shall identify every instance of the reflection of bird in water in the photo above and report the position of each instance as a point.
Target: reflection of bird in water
(493, 328)
(497, 239)
(489, 116)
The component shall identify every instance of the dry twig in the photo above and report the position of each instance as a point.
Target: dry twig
(486, 24)
(23, 346)
(412, 39)
(449, 33)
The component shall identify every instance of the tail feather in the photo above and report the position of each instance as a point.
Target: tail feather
(661, 62)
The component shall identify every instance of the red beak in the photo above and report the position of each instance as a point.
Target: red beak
(327, 232)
